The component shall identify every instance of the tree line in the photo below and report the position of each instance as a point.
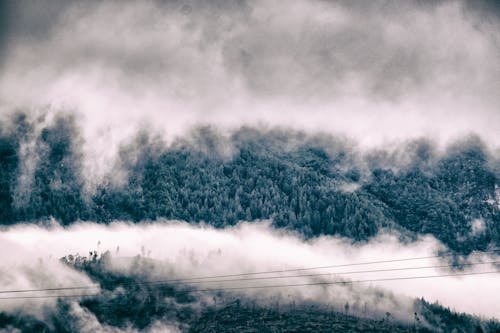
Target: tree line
(315, 185)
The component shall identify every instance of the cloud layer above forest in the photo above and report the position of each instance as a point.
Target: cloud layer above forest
(379, 71)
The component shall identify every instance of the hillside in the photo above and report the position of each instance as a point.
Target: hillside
(317, 185)
(128, 302)
(245, 319)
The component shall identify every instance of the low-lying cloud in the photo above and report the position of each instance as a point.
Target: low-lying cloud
(182, 250)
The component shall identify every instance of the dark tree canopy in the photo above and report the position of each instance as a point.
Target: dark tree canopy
(316, 185)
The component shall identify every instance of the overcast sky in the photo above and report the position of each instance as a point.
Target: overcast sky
(376, 71)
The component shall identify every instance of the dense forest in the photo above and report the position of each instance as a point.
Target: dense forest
(316, 185)
(129, 302)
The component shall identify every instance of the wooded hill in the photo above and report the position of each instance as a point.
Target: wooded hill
(316, 185)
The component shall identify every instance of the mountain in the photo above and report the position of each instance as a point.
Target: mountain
(129, 302)
(313, 184)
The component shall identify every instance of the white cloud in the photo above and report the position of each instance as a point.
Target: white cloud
(478, 226)
(378, 73)
(183, 250)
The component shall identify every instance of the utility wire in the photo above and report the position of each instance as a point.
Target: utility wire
(175, 282)
(343, 282)
(47, 296)
(320, 267)
(324, 274)
(279, 285)
(203, 279)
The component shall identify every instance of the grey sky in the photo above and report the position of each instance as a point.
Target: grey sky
(388, 68)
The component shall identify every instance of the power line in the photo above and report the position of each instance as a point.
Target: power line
(344, 282)
(47, 296)
(271, 286)
(203, 280)
(319, 267)
(96, 286)
(279, 285)
(338, 273)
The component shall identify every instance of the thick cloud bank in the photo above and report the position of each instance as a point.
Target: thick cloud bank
(379, 71)
(181, 250)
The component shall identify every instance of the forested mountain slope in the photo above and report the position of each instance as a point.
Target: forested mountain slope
(317, 185)
(129, 302)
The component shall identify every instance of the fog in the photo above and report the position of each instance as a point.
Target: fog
(378, 72)
(181, 250)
